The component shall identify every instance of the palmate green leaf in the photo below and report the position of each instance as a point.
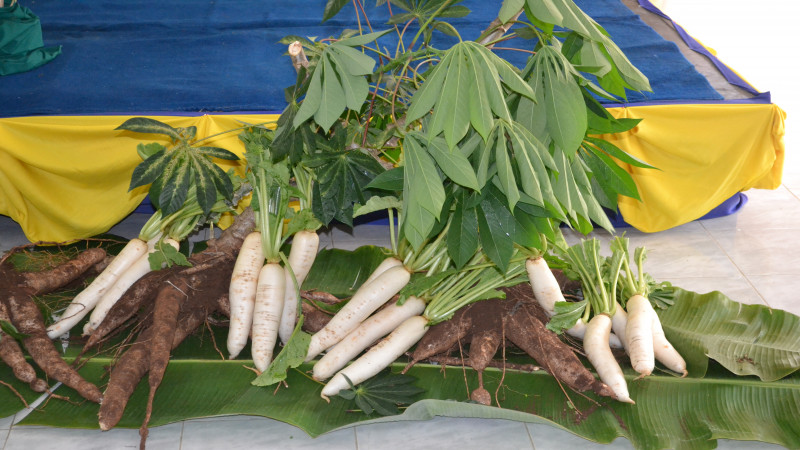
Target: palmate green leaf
(147, 150)
(462, 236)
(451, 114)
(342, 178)
(496, 225)
(176, 187)
(614, 179)
(332, 7)
(148, 170)
(382, 393)
(147, 125)
(375, 204)
(565, 110)
(332, 100)
(618, 153)
(390, 180)
(422, 185)
(216, 152)
(505, 173)
(453, 163)
(221, 180)
(205, 188)
(509, 9)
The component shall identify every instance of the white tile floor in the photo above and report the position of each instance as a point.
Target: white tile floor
(751, 256)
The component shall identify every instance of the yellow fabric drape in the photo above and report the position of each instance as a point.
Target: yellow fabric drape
(705, 154)
(67, 177)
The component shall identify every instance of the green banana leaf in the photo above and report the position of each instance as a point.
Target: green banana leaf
(670, 412)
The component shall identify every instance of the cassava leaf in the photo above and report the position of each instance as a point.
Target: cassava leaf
(332, 7)
(175, 188)
(148, 170)
(376, 203)
(342, 179)
(216, 152)
(382, 393)
(462, 237)
(147, 125)
(390, 180)
(496, 224)
(147, 150)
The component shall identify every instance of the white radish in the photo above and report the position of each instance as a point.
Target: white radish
(375, 327)
(137, 270)
(267, 313)
(369, 297)
(378, 357)
(595, 344)
(385, 265)
(242, 294)
(88, 298)
(665, 353)
(619, 321)
(546, 289)
(639, 334)
(578, 331)
(305, 244)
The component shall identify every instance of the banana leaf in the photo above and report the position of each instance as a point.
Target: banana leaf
(670, 412)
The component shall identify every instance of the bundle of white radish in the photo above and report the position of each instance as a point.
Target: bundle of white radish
(368, 298)
(263, 296)
(87, 299)
(598, 276)
(645, 341)
(547, 293)
(138, 269)
(459, 288)
(391, 275)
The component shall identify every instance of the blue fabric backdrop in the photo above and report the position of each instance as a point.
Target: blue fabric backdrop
(193, 56)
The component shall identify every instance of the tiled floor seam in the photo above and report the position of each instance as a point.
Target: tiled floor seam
(739, 269)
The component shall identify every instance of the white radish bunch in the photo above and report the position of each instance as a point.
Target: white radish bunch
(644, 336)
(380, 356)
(375, 327)
(599, 276)
(369, 297)
(137, 270)
(87, 299)
(547, 293)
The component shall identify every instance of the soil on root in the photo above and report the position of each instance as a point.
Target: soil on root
(518, 320)
(18, 290)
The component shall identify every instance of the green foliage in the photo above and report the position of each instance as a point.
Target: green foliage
(166, 256)
(382, 393)
(291, 356)
(171, 171)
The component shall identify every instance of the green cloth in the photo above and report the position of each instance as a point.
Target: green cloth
(21, 45)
